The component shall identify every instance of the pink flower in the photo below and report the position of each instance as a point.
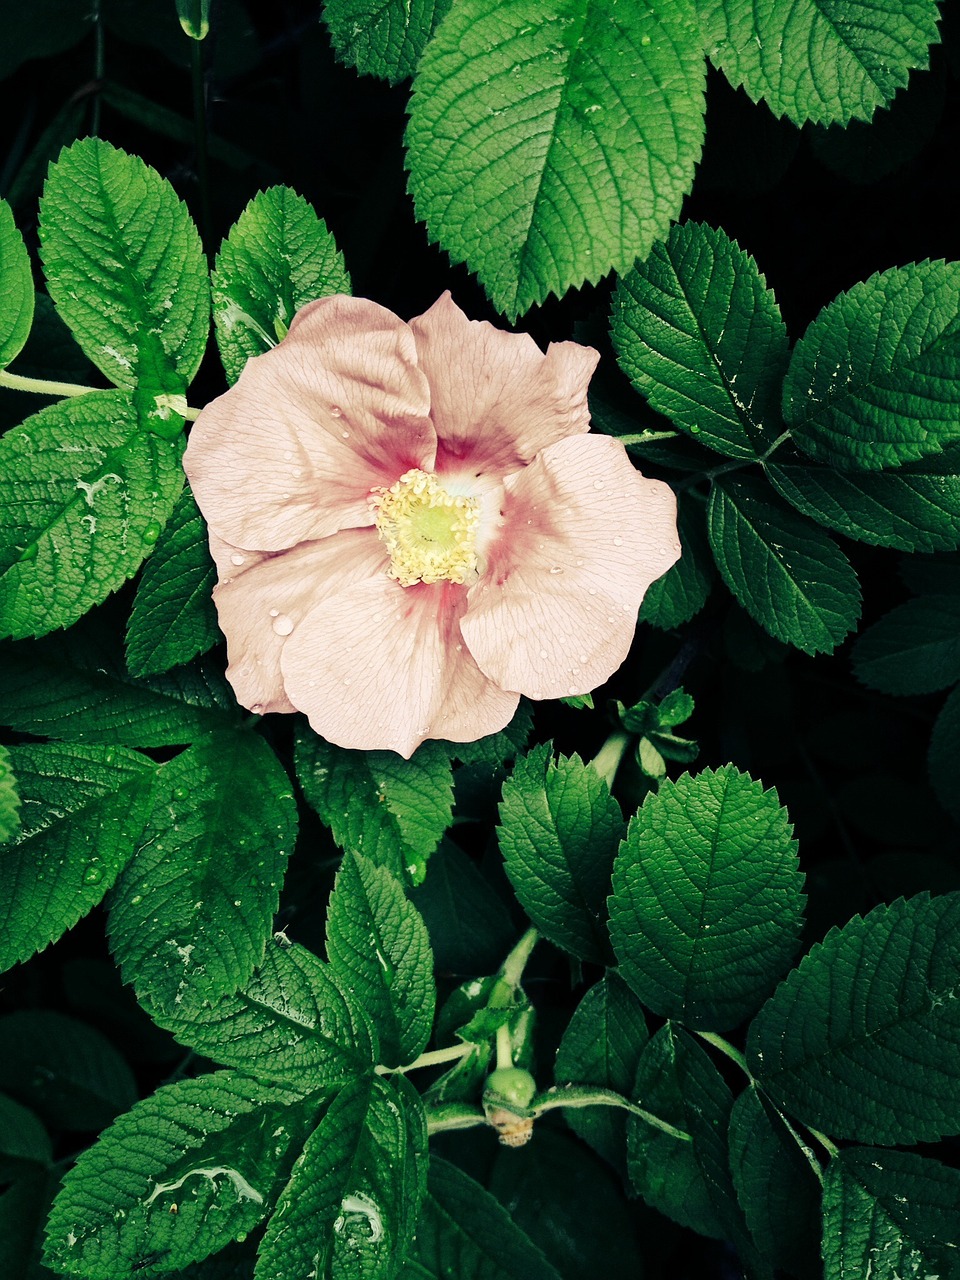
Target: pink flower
(412, 526)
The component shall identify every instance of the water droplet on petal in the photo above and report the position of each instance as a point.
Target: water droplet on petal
(274, 613)
(592, 591)
(257, 708)
(598, 484)
(237, 558)
(544, 654)
(345, 435)
(618, 542)
(283, 625)
(556, 569)
(336, 411)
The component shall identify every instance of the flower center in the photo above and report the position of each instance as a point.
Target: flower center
(431, 534)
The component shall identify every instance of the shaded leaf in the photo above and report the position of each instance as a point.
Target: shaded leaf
(382, 39)
(913, 649)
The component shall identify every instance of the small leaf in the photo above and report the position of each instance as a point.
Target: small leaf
(278, 257)
(377, 944)
(559, 830)
(193, 911)
(9, 798)
(219, 1148)
(861, 1039)
(788, 574)
(875, 380)
(382, 39)
(464, 1231)
(66, 1072)
(290, 1023)
(916, 508)
(819, 59)
(83, 809)
(698, 333)
(682, 592)
(351, 1205)
(16, 289)
(551, 142)
(913, 649)
(194, 17)
(391, 810)
(707, 903)
(601, 1046)
(173, 616)
(85, 492)
(888, 1214)
(125, 267)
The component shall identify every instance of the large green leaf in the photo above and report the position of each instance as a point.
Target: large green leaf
(350, 1208)
(278, 256)
(83, 810)
(683, 590)
(290, 1023)
(173, 616)
(822, 60)
(393, 811)
(464, 1231)
(789, 575)
(862, 1038)
(219, 1148)
(916, 508)
(16, 289)
(85, 491)
(601, 1047)
(382, 37)
(552, 141)
(125, 266)
(192, 912)
(707, 898)
(559, 831)
(700, 335)
(378, 944)
(889, 1214)
(913, 649)
(875, 380)
(65, 1071)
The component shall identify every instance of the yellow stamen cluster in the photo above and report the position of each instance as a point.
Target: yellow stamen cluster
(431, 534)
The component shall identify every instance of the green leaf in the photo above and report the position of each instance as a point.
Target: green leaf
(278, 257)
(125, 266)
(192, 913)
(9, 798)
(861, 1039)
(777, 1184)
(85, 491)
(822, 60)
(683, 590)
(468, 922)
(663, 1170)
(559, 831)
(790, 576)
(698, 333)
(601, 1047)
(391, 810)
(219, 1148)
(707, 898)
(83, 809)
(551, 142)
(66, 1072)
(875, 380)
(62, 688)
(382, 37)
(291, 1023)
(16, 289)
(23, 1139)
(943, 760)
(916, 508)
(350, 1207)
(378, 945)
(173, 616)
(194, 17)
(889, 1214)
(914, 648)
(464, 1231)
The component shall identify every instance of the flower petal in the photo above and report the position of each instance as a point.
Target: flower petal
(382, 667)
(584, 534)
(262, 599)
(495, 399)
(290, 453)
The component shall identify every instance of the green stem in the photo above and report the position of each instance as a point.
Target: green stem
(47, 387)
(200, 137)
(607, 760)
(737, 465)
(727, 1049)
(504, 1048)
(433, 1058)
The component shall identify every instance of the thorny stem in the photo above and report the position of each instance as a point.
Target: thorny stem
(433, 1058)
(45, 387)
